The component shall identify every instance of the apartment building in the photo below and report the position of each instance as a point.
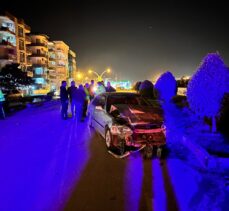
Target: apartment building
(72, 68)
(48, 62)
(8, 41)
(39, 60)
(62, 50)
(52, 74)
(13, 42)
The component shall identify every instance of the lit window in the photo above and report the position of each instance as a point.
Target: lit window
(38, 70)
(39, 80)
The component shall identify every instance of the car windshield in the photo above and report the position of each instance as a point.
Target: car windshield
(126, 99)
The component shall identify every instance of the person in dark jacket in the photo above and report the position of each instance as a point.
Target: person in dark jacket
(91, 90)
(64, 100)
(80, 101)
(86, 90)
(72, 96)
(109, 88)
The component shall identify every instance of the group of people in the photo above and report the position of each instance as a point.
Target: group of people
(79, 97)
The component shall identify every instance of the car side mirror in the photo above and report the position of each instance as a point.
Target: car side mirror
(99, 108)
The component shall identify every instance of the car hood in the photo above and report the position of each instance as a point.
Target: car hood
(135, 114)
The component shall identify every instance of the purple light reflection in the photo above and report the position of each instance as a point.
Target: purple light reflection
(159, 199)
(41, 159)
(133, 182)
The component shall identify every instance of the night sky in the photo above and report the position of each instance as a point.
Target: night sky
(136, 39)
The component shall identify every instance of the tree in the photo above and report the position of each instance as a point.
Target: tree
(146, 89)
(166, 86)
(207, 87)
(11, 77)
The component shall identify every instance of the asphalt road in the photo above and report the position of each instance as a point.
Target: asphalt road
(52, 164)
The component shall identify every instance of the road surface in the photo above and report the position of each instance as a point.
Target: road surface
(50, 164)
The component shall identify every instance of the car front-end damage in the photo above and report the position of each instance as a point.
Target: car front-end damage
(138, 129)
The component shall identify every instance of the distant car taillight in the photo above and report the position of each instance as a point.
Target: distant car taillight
(163, 127)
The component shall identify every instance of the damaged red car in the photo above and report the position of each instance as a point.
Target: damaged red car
(128, 121)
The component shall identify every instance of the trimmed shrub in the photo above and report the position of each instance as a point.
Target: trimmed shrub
(207, 87)
(166, 86)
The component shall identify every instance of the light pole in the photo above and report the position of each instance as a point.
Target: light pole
(100, 76)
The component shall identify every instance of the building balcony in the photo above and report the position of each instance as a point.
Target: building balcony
(39, 75)
(51, 49)
(6, 43)
(39, 44)
(27, 39)
(39, 64)
(61, 75)
(28, 51)
(8, 57)
(27, 28)
(52, 59)
(6, 29)
(52, 77)
(52, 67)
(39, 55)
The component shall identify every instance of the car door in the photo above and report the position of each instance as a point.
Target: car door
(99, 114)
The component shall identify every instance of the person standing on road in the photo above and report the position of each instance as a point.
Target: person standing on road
(80, 101)
(86, 90)
(72, 96)
(64, 100)
(110, 88)
(2, 99)
(91, 90)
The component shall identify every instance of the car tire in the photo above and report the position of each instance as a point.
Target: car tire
(108, 139)
(122, 147)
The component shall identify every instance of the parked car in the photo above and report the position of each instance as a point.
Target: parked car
(14, 94)
(127, 120)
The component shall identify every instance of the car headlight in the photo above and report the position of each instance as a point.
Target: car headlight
(120, 130)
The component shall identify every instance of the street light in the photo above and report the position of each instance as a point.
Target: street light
(100, 76)
(79, 75)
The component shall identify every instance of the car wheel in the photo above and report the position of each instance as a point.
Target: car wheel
(108, 139)
(122, 147)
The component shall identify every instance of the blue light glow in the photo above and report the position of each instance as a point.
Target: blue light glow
(42, 163)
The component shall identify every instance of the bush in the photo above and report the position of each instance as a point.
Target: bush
(207, 87)
(166, 86)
